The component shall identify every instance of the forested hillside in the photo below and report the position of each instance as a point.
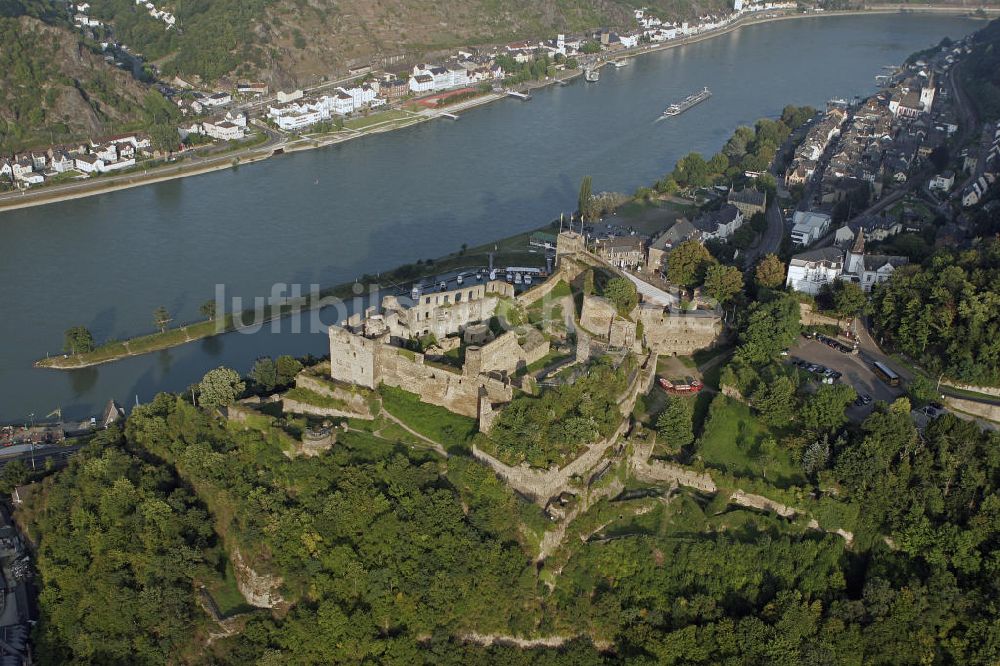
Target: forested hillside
(390, 554)
(981, 71)
(286, 41)
(946, 313)
(53, 88)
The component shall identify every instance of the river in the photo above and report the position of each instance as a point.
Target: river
(327, 216)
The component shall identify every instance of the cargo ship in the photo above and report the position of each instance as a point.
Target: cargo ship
(680, 107)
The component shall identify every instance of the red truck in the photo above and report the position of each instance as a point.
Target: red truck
(687, 385)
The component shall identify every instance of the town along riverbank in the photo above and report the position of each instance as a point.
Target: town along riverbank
(387, 121)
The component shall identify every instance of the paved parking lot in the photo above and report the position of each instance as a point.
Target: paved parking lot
(856, 372)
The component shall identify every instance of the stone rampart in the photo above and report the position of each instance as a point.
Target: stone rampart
(809, 317)
(980, 409)
(541, 485)
(985, 390)
(682, 333)
(356, 403)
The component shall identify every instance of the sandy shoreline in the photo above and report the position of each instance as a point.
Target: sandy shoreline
(251, 155)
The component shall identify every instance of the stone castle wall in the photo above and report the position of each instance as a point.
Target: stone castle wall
(357, 405)
(353, 358)
(809, 317)
(678, 333)
(597, 315)
(541, 485)
(356, 359)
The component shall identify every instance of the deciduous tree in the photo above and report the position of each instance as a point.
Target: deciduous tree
(78, 340)
(687, 263)
(723, 282)
(675, 423)
(770, 272)
(220, 387)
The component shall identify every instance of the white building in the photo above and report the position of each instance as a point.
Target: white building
(719, 224)
(89, 163)
(809, 226)
(223, 131)
(286, 97)
(107, 152)
(868, 270)
(421, 83)
(218, 99)
(943, 181)
(295, 121)
(809, 271)
(33, 178)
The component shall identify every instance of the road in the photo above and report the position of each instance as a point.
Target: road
(191, 162)
(58, 454)
(856, 370)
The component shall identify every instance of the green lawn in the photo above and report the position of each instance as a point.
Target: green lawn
(731, 442)
(431, 421)
(375, 119)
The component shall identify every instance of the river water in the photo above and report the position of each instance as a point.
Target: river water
(327, 216)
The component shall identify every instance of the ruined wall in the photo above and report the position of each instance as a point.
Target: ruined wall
(810, 317)
(259, 590)
(622, 333)
(987, 390)
(541, 485)
(502, 355)
(434, 385)
(597, 315)
(980, 409)
(357, 404)
(678, 333)
(353, 358)
(535, 346)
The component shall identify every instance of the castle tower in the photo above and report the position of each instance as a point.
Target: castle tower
(473, 361)
(569, 243)
(354, 359)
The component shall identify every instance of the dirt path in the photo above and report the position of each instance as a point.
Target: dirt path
(434, 445)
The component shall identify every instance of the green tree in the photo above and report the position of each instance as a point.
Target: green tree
(220, 387)
(718, 164)
(692, 171)
(922, 390)
(849, 299)
(687, 264)
(622, 293)
(78, 340)
(675, 423)
(164, 138)
(770, 272)
(723, 282)
(207, 309)
(824, 410)
(287, 368)
(775, 400)
(13, 474)
(264, 373)
(161, 317)
(585, 200)
(771, 327)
